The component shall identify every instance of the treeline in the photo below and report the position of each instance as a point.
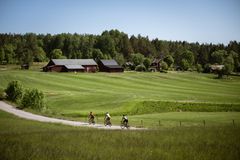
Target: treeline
(30, 47)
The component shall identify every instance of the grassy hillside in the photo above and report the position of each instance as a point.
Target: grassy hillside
(23, 139)
(72, 94)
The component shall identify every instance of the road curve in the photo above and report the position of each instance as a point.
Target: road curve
(26, 115)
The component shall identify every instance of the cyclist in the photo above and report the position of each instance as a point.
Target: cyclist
(91, 118)
(125, 120)
(107, 119)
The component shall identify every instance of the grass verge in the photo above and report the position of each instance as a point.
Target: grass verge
(22, 139)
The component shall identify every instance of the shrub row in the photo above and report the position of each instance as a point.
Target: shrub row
(161, 106)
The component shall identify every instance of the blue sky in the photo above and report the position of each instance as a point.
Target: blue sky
(205, 21)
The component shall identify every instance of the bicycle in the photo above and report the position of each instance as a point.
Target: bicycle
(124, 125)
(107, 122)
(91, 121)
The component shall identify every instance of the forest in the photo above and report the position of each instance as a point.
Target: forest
(139, 50)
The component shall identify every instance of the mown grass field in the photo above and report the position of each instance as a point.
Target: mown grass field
(23, 139)
(161, 101)
(144, 96)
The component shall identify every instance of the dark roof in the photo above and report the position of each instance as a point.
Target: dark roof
(74, 66)
(114, 66)
(111, 62)
(74, 62)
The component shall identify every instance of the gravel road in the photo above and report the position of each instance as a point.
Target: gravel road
(26, 115)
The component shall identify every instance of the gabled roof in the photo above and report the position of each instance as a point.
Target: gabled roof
(111, 62)
(216, 67)
(74, 62)
(70, 66)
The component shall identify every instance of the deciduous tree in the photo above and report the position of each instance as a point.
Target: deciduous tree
(57, 54)
(169, 60)
(137, 59)
(218, 56)
(146, 62)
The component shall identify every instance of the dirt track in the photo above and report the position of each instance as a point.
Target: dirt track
(26, 115)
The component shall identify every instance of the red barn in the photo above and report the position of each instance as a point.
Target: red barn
(109, 66)
(71, 65)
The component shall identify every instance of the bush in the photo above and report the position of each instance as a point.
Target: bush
(33, 99)
(169, 60)
(184, 64)
(14, 91)
(140, 68)
(164, 66)
(2, 95)
(199, 68)
(147, 62)
(207, 68)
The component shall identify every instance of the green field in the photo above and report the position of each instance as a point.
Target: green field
(189, 116)
(23, 139)
(143, 96)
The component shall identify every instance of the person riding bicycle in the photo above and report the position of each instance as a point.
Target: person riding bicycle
(125, 119)
(107, 119)
(91, 118)
(124, 122)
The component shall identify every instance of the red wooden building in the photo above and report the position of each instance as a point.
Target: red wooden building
(71, 65)
(155, 65)
(109, 66)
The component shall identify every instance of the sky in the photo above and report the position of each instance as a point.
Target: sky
(203, 21)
